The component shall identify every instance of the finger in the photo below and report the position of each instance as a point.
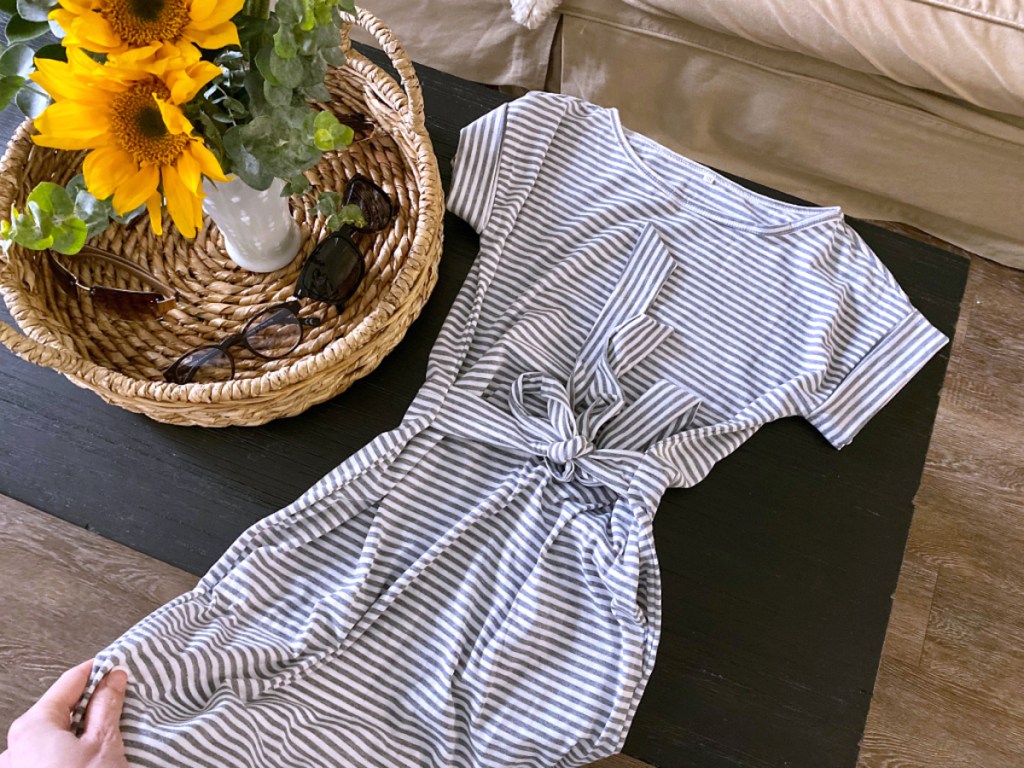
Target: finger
(104, 711)
(56, 704)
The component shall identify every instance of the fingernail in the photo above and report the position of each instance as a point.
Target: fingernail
(120, 668)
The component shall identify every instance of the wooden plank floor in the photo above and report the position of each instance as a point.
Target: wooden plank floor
(950, 689)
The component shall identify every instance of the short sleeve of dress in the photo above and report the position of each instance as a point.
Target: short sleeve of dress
(475, 168)
(876, 341)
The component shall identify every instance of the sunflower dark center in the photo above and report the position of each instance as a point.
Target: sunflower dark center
(140, 129)
(150, 123)
(147, 10)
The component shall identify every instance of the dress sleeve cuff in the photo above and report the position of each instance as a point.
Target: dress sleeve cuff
(876, 379)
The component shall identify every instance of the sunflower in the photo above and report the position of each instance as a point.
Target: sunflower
(142, 146)
(115, 26)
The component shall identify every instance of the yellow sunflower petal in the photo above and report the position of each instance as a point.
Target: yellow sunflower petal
(76, 7)
(174, 118)
(136, 189)
(190, 172)
(186, 83)
(72, 125)
(106, 169)
(60, 82)
(134, 58)
(180, 202)
(155, 212)
(209, 13)
(94, 33)
(215, 37)
(207, 161)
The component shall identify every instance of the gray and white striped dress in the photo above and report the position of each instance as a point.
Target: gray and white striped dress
(479, 587)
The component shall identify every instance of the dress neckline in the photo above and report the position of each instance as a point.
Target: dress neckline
(697, 174)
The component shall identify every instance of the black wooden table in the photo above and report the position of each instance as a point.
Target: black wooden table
(778, 569)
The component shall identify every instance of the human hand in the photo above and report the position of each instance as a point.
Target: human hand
(42, 737)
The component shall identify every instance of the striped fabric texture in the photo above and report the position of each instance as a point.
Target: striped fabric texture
(479, 587)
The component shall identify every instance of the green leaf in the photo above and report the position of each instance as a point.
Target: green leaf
(263, 59)
(54, 51)
(316, 92)
(32, 228)
(212, 136)
(31, 102)
(35, 10)
(243, 162)
(328, 203)
(75, 185)
(70, 236)
(328, 132)
(51, 198)
(289, 11)
(94, 213)
(277, 96)
(9, 87)
(308, 15)
(323, 139)
(17, 60)
(9, 7)
(289, 72)
(18, 30)
(234, 107)
(333, 56)
(284, 43)
(351, 214)
(296, 185)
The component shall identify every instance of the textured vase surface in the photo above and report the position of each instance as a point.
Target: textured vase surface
(259, 232)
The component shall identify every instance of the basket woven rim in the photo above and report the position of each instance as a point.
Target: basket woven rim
(334, 355)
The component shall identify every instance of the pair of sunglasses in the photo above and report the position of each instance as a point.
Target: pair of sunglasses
(362, 127)
(331, 273)
(156, 298)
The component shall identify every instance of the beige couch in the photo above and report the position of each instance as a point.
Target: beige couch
(906, 110)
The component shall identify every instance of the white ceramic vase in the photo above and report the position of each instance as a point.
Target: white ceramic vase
(259, 232)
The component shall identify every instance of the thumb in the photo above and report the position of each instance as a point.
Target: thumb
(103, 714)
(56, 704)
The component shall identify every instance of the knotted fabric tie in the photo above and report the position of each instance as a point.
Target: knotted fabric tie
(582, 428)
(542, 412)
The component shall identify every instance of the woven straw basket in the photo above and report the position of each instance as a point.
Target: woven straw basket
(122, 359)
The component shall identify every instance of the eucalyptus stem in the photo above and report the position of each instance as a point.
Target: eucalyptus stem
(257, 9)
(32, 88)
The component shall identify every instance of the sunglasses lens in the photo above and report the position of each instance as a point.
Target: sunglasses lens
(203, 365)
(132, 297)
(273, 333)
(333, 270)
(372, 201)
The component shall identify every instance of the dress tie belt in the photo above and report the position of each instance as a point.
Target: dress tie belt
(582, 427)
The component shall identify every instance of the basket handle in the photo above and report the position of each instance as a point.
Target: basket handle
(36, 352)
(407, 100)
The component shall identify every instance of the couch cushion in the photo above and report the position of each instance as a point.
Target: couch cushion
(825, 133)
(971, 49)
(474, 39)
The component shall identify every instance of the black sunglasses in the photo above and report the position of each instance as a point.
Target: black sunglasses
(331, 273)
(336, 267)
